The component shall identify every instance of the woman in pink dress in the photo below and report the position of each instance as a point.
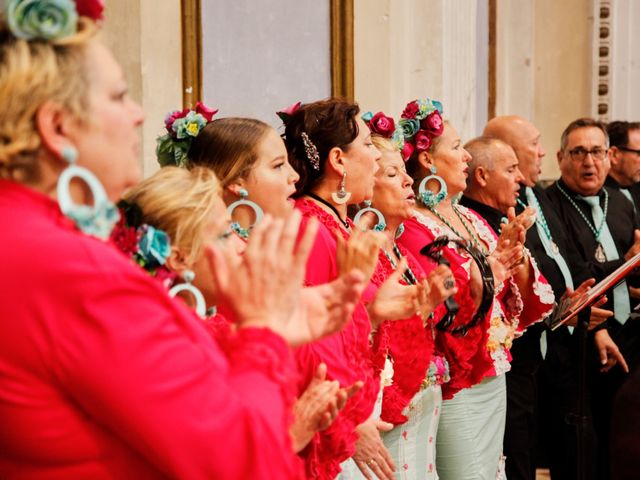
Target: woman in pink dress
(414, 371)
(103, 374)
(469, 443)
(252, 163)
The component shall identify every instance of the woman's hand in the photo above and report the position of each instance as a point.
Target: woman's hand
(371, 454)
(359, 252)
(318, 406)
(264, 288)
(393, 300)
(436, 288)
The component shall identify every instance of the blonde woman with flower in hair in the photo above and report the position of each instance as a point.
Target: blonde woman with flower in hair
(496, 280)
(411, 395)
(104, 375)
(186, 205)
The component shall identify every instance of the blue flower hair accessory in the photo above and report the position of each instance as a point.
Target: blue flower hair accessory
(420, 122)
(182, 127)
(147, 246)
(49, 19)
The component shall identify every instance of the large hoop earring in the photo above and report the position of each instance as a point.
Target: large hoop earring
(378, 227)
(189, 276)
(257, 211)
(341, 196)
(426, 196)
(97, 220)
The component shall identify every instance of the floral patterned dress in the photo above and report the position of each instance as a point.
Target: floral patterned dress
(470, 445)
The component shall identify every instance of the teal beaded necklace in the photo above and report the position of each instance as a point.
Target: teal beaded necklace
(408, 274)
(472, 236)
(543, 223)
(595, 231)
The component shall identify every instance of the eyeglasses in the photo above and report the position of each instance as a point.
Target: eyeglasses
(632, 150)
(579, 154)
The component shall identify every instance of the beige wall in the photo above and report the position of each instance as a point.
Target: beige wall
(145, 37)
(544, 66)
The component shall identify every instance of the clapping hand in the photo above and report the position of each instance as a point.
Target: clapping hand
(264, 289)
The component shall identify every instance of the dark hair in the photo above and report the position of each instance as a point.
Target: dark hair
(328, 123)
(582, 123)
(619, 132)
(228, 147)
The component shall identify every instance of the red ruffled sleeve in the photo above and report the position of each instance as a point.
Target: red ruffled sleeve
(346, 353)
(468, 358)
(409, 345)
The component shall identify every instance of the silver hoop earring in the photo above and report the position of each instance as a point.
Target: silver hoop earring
(97, 220)
(257, 211)
(189, 276)
(426, 196)
(378, 227)
(341, 196)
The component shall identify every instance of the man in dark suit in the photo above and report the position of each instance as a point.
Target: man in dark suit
(604, 226)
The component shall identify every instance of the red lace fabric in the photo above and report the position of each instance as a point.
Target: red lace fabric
(469, 360)
(469, 357)
(410, 345)
(347, 354)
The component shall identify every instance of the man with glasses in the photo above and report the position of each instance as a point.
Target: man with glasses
(624, 140)
(603, 226)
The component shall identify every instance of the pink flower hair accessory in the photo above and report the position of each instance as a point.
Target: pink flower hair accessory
(182, 127)
(420, 122)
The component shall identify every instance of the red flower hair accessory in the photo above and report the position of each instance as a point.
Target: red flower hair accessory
(420, 122)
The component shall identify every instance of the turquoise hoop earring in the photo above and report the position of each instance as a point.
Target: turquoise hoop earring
(257, 211)
(98, 220)
(189, 276)
(426, 196)
(378, 227)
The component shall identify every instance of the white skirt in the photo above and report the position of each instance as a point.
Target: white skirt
(471, 432)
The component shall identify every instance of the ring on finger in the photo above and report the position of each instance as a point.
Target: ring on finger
(448, 283)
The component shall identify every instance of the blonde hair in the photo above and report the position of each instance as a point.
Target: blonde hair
(31, 73)
(384, 144)
(180, 202)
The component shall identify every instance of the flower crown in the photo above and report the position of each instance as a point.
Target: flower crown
(420, 122)
(182, 127)
(148, 246)
(386, 127)
(49, 19)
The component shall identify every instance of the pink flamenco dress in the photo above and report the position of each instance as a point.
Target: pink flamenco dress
(105, 376)
(471, 430)
(347, 354)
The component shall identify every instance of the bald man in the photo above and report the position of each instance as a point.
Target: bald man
(551, 247)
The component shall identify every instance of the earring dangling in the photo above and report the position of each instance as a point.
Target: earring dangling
(189, 276)
(97, 220)
(399, 231)
(378, 227)
(341, 196)
(426, 196)
(257, 211)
